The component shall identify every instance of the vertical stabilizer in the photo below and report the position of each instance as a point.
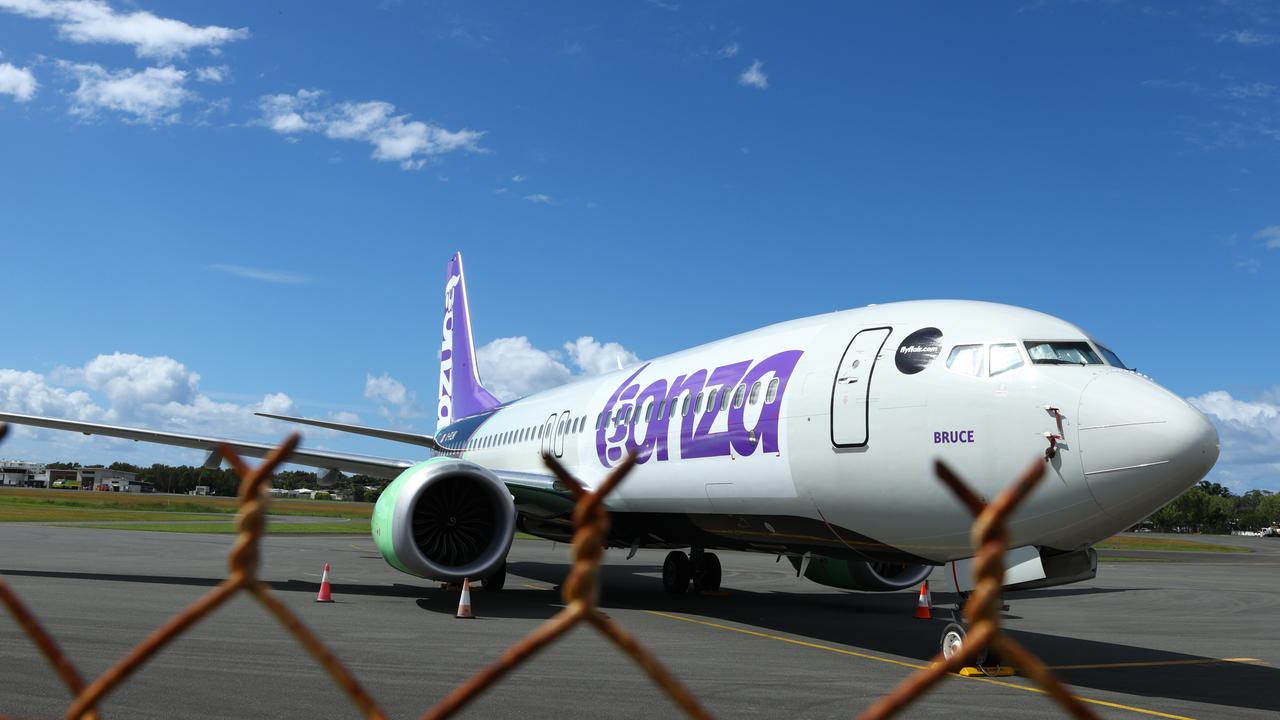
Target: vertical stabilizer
(461, 393)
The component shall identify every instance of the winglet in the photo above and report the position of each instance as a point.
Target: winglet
(461, 393)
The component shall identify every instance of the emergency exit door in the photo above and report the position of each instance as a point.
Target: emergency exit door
(851, 393)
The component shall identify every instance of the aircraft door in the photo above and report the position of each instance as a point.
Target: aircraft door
(562, 429)
(548, 435)
(850, 411)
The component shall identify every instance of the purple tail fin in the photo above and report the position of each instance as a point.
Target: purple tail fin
(461, 393)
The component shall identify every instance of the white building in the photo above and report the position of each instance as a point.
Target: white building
(19, 473)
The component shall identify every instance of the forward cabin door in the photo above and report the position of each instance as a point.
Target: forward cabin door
(850, 413)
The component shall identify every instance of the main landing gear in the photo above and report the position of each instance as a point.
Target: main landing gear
(703, 569)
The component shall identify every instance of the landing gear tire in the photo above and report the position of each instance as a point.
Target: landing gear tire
(497, 579)
(706, 575)
(953, 638)
(675, 573)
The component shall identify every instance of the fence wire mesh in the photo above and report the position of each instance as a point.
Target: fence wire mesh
(580, 592)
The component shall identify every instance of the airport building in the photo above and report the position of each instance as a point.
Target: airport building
(18, 473)
(89, 478)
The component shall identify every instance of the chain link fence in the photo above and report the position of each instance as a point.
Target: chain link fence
(580, 591)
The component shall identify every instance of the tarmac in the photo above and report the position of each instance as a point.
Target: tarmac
(1149, 637)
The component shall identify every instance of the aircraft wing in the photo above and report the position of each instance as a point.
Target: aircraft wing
(332, 461)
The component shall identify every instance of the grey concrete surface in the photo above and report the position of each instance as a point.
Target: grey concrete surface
(807, 651)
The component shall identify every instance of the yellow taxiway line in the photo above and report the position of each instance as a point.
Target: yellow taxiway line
(1159, 663)
(913, 666)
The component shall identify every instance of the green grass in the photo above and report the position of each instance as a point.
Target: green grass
(1138, 542)
(10, 497)
(219, 528)
(51, 513)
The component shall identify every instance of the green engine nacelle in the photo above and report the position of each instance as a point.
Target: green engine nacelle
(444, 519)
(862, 575)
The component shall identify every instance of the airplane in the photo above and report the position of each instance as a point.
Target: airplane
(812, 439)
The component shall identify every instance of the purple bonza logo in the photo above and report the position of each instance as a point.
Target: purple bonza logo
(649, 440)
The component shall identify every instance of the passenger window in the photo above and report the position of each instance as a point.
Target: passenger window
(648, 412)
(772, 393)
(724, 399)
(711, 399)
(697, 406)
(1005, 357)
(684, 406)
(739, 395)
(967, 360)
(662, 407)
(754, 397)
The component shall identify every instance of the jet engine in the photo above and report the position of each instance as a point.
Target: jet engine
(445, 519)
(869, 576)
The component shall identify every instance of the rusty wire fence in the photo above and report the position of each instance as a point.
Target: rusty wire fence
(580, 591)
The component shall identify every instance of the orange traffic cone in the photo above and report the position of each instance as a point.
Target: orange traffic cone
(464, 602)
(925, 603)
(324, 595)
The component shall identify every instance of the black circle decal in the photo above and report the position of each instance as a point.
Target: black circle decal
(918, 350)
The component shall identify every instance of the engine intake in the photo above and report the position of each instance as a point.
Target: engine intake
(444, 519)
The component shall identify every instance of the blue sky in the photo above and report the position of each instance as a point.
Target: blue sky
(209, 209)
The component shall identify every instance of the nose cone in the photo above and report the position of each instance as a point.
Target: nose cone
(1140, 445)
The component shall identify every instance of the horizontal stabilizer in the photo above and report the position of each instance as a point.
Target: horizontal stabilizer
(394, 435)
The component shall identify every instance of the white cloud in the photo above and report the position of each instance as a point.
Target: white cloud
(343, 416)
(153, 95)
(131, 390)
(272, 276)
(728, 51)
(213, 74)
(94, 21)
(1270, 235)
(595, 358)
(18, 82)
(512, 367)
(1250, 434)
(395, 138)
(754, 76)
(541, 198)
(1248, 38)
(518, 178)
(390, 391)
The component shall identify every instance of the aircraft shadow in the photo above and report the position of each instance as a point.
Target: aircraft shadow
(883, 623)
(396, 590)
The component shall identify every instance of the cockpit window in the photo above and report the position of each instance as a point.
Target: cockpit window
(967, 360)
(1112, 359)
(1062, 353)
(1005, 357)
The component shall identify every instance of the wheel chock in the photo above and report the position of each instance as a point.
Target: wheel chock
(997, 671)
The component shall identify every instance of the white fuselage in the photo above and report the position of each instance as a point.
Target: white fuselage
(866, 401)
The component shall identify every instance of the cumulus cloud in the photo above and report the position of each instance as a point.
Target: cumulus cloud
(280, 277)
(394, 137)
(151, 36)
(754, 76)
(539, 198)
(512, 367)
(396, 399)
(132, 390)
(150, 96)
(1250, 434)
(1269, 235)
(18, 82)
(213, 74)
